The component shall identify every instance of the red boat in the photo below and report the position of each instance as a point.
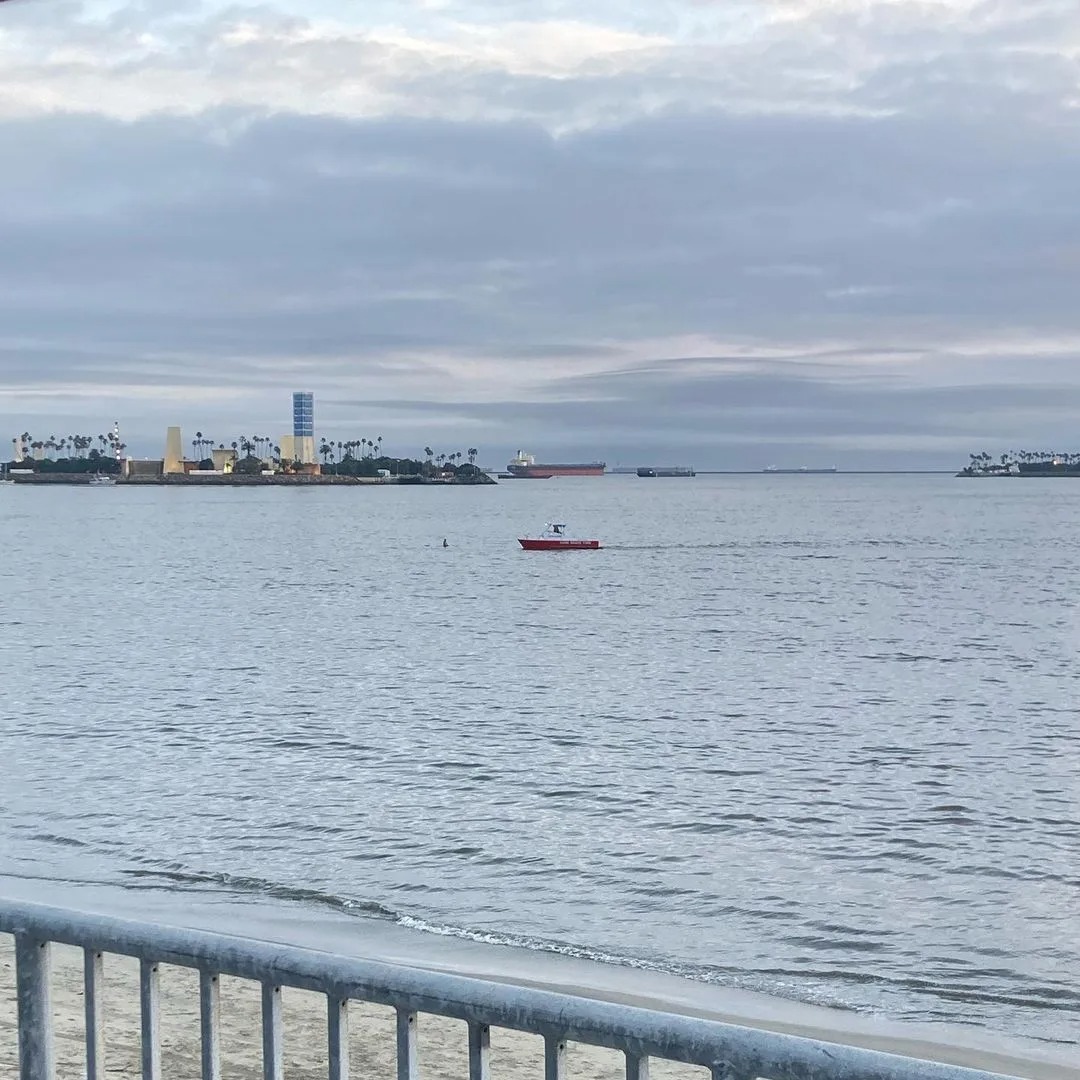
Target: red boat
(554, 538)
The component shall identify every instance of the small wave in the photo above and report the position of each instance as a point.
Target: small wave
(63, 841)
(264, 887)
(714, 975)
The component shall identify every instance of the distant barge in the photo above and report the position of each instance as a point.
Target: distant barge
(804, 471)
(666, 470)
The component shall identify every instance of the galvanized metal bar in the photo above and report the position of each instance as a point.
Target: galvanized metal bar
(724, 1070)
(748, 1052)
(273, 1047)
(93, 988)
(337, 1023)
(150, 1010)
(32, 963)
(554, 1058)
(210, 1024)
(407, 1065)
(479, 1052)
(637, 1067)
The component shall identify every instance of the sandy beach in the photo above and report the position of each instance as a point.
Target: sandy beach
(442, 1042)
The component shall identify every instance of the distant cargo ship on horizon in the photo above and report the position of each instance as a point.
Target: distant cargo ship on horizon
(666, 470)
(803, 470)
(526, 467)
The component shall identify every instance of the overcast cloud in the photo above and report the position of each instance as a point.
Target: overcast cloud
(726, 233)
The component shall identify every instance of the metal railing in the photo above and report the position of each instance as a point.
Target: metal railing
(730, 1052)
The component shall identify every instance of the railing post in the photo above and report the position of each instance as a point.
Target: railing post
(35, 1008)
(210, 1024)
(93, 985)
(479, 1052)
(273, 1056)
(554, 1058)
(337, 1019)
(406, 1046)
(722, 1070)
(637, 1067)
(150, 1008)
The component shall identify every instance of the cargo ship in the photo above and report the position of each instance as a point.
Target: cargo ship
(798, 472)
(666, 470)
(526, 467)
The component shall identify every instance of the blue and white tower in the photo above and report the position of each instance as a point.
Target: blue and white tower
(303, 409)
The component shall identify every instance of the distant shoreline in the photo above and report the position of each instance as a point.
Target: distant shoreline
(839, 472)
(240, 480)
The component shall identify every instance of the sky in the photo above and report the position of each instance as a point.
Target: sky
(727, 233)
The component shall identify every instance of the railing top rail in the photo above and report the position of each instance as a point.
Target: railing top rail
(732, 1050)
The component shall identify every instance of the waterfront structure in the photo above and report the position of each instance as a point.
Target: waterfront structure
(144, 467)
(224, 459)
(174, 452)
(301, 445)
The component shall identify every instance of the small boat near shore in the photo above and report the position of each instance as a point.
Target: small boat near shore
(102, 480)
(555, 538)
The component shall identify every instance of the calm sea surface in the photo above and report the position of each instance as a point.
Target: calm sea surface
(815, 736)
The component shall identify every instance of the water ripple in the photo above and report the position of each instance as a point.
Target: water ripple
(816, 741)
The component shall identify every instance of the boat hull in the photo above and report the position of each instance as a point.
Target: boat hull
(557, 544)
(545, 472)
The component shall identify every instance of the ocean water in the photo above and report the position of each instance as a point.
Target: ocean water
(812, 736)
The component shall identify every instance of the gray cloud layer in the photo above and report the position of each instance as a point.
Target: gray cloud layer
(842, 239)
